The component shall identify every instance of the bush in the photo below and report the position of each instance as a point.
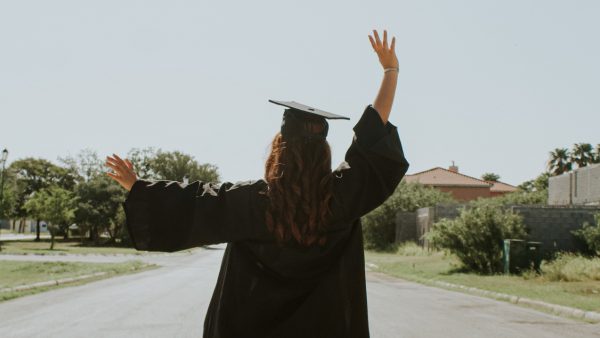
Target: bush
(412, 249)
(569, 267)
(590, 234)
(379, 226)
(476, 236)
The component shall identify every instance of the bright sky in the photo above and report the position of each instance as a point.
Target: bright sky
(492, 85)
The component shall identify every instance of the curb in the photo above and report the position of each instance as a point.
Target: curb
(58, 281)
(53, 282)
(561, 310)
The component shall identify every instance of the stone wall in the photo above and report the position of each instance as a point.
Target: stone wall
(578, 187)
(552, 225)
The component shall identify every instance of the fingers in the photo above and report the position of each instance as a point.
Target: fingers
(373, 43)
(377, 38)
(129, 164)
(385, 45)
(393, 45)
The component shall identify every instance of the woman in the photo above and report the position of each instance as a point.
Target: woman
(294, 264)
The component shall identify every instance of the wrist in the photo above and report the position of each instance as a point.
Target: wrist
(391, 70)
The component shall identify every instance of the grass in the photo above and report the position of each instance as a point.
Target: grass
(62, 247)
(421, 266)
(15, 273)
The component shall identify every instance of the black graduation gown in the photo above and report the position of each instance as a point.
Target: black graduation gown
(266, 290)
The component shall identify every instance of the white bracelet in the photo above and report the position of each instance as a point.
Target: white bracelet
(390, 69)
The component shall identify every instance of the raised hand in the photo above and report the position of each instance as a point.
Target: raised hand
(387, 55)
(124, 174)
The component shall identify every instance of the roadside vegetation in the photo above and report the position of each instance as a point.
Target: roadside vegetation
(17, 273)
(570, 280)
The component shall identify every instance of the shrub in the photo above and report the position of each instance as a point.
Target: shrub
(590, 234)
(476, 235)
(379, 226)
(569, 267)
(412, 249)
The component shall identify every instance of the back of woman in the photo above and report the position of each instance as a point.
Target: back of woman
(294, 262)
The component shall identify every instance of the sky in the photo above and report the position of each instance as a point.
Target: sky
(492, 85)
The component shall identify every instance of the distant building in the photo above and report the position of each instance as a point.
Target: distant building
(461, 186)
(578, 187)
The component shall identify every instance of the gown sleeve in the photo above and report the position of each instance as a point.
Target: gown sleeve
(373, 167)
(170, 216)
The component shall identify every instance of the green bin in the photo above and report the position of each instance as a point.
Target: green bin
(519, 255)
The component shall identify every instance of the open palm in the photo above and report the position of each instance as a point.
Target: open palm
(123, 171)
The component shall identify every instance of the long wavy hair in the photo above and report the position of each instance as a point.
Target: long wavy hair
(299, 179)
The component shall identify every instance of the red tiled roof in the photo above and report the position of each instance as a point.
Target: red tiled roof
(443, 177)
(502, 187)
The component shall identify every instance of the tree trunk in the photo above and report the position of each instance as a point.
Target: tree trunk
(37, 231)
(51, 240)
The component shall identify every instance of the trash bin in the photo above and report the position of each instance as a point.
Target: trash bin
(534, 253)
(514, 255)
(519, 255)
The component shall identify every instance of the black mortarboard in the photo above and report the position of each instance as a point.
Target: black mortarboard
(302, 121)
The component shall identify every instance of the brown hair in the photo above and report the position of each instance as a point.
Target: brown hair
(298, 174)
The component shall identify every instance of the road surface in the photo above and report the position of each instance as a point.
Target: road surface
(171, 302)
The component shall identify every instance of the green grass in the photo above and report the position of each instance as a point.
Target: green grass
(421, 266)
(15, 273)
(62, 247)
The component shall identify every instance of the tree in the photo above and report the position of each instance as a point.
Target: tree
(539, 183)
(98, 206)
(86, 164)
(54, 205)
(597, 154)
(379, 225)
(176, 165)
(142, 162)
(35, 174)
(582, 154)
(560, 161)
(490, 177)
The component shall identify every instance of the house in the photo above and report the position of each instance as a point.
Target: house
(462, 187)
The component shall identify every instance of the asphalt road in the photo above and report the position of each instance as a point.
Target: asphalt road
(171, 302)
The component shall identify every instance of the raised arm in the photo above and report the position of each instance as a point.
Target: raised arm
(387, 57)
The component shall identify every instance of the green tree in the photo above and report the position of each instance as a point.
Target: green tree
(86, 164)
(379, 225)
(54, 205)
(34, 174)
(539, 183)
(490, 177)
(582, 154)
(597, 154)
(175, 166)
(560, 161)
(142, 162)
(99, 202)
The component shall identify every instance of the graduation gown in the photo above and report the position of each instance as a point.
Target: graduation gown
(263, 289)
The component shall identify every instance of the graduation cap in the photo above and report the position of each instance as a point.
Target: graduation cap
(302, 121)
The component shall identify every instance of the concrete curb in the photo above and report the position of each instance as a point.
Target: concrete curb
(53, 282)
(552, 308)
(59, 281)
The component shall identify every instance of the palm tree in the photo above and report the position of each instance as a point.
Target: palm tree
(490, 177)
(559, 161)
(582, 154)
